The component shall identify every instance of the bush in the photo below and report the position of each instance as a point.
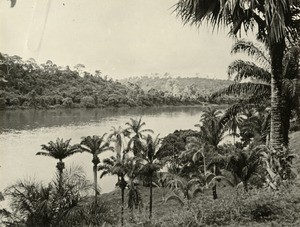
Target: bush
(67, 102)
(87, 101)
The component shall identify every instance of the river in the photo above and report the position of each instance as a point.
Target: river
(23, 131)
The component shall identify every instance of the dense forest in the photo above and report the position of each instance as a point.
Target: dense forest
(29, 85)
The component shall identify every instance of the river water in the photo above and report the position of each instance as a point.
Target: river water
(23, 131)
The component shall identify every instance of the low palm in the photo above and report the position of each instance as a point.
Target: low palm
(59, 150)
(243, 165)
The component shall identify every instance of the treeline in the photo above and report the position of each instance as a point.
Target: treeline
(26, 84)
(183, 87)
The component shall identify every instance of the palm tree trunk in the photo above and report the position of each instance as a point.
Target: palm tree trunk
(277, 132)
(214, 188)
(297, 98)
(60, 167)
(95, 182)
(245, 183)
(122, 206)
(286, 116)
(204, 168)
(122, 186)
(214, 191)
(150, 205)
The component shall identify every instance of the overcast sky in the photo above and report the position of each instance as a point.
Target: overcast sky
(121, 38)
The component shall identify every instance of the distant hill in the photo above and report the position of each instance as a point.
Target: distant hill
(186, 87)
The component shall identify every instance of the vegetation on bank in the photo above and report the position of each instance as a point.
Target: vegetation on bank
(186, 178)
(198, 88)
(25, 84)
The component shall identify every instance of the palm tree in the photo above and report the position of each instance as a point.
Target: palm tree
(59, 150)
(133, 166)
(117, 167)
(211, 133)
(183, 190)
(274, 20)
(243, 165)
(118, 136)
(37, 205)
(210, 129)
(233, 125)
(149, 152)
(95, 145)
(259, 89)
(135, 128)
(255, 128)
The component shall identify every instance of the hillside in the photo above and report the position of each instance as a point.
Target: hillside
(25, 84)
(186, 87)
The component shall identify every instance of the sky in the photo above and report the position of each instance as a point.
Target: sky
(121, 38)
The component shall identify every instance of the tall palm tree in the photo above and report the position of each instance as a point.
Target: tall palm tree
(275, 21)
(211, 134)
(117, 167)
(95, 145)
(135, 128)
(258, 91)
(150, 154)
(134, 166)
(59, 150)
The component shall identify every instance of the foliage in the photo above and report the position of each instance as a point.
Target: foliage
(34, 204)
(243, 165)
(29, 85)
(182, 87)
(278, 166)
(95, 145)
(137, 134)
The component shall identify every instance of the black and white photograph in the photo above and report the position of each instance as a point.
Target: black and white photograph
(149, 113)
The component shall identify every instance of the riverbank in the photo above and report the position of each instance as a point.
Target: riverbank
(258, 207)
(60, 107)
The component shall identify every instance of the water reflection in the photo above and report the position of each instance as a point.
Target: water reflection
(31, 119)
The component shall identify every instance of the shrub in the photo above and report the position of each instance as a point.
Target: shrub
(87, 101)
(67, 102)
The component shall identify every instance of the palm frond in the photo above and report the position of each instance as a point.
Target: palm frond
(217, 179)
(252, 50)
(235, 109)
(175, 198)
(44, 154)
(244, 88)
(196, 191)
(241, 69)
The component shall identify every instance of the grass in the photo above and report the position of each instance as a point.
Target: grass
(257, 208)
